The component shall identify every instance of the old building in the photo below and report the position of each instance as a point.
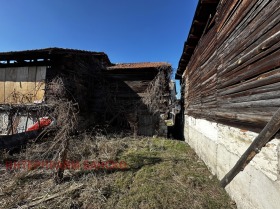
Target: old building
(229, 73)
(140, 93)
(106, 93)
(26, 77)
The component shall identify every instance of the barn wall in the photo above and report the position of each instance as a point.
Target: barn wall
(231, 89)
(81, 74)
(20, 85)
(234, 73)
(120, 97)
(25, 83)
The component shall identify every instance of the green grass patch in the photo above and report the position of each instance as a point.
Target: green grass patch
(166, 174)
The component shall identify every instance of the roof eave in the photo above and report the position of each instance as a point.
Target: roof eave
(202, 13)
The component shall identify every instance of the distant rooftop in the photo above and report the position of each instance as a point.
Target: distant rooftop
(139, 65)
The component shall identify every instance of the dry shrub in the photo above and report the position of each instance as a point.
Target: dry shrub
(37, 183)
(157, 93)
(65, 113)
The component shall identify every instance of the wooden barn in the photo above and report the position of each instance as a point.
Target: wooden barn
(106, 93)
(230, 83)
(26, 77)
(140, 94)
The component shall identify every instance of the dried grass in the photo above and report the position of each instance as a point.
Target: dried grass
(160, 174)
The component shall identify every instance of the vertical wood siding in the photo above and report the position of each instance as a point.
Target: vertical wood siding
(19, 85)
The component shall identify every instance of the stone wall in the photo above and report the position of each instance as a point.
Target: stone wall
(220, 146)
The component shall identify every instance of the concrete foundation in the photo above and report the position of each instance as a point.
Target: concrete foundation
(220, 146)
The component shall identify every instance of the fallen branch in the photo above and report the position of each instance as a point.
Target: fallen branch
(265, 136)
(44, 199)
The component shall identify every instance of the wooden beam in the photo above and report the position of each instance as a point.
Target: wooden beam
(192, 36)
(265, 136)
(190, 47)
(199, 23)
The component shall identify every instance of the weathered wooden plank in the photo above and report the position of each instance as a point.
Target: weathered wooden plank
(247, 47)
(274, 71)
(257, 53)
(251, 92)
(231, 117)
(250, 85)
(209, 76)
(235, 18)
(245, 37)
(10, 79)
(271, 92)
(211, 83)
(249, 112)
(209, 105)
(259, 103)
(255, 97)
(207, 44)
(210, 97)
(268, 111)
(246, 27)
(260, 118)
(31, 84)
(40, 83)
(227, 8)
(2, 85)
(21, 84)
(239, 62)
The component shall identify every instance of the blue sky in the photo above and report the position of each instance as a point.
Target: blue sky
(126, 30)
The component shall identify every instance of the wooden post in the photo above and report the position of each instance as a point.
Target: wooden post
(266, 134)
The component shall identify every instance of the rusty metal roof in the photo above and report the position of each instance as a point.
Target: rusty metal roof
(205, 10)
(139, 65)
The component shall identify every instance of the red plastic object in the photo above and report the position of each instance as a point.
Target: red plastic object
(43, 122)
